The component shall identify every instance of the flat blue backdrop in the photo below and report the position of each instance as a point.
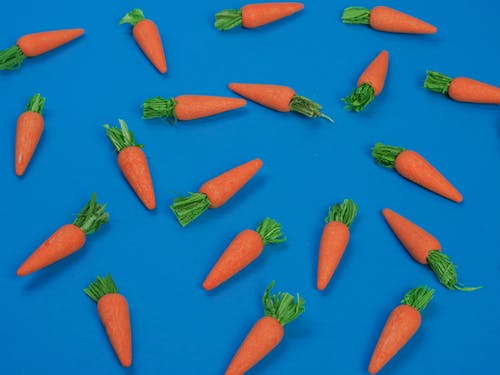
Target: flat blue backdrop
(50, 327)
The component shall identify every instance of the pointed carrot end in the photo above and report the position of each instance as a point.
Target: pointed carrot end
(457, 197)
(207, 286)
(150, 205)
(126, 362)
(372, 370)
(21, 271)
(321, 286)
(20, 170)
(387, 213)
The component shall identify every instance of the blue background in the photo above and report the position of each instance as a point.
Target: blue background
(50, 327)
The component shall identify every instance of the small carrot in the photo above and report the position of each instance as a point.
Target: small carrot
(425, 249)
(403, 322)
(462, 89)
(387, 19)
(370, 83)
(334, 240)
(279, 98)
(148, 38)
(215, 192)
(133, 163)
(267, 332)
(243, 250)
(188, 107)
(255, 15)
(32, 45)
(114, 313)
(67, 239)
(414, 167)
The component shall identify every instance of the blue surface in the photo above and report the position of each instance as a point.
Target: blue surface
(50, 327)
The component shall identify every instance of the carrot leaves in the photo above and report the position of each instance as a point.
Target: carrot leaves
(359, 98)
(386, 155)
(122, 137)
(270, 231)
(133, 17)
(307, 107)
(11, 58)
(99, 288)
(356, 15)
(418, 298)
(159, 107)
(92, 216)
(228, 19)
(36, 104)
(282, 306)
(445, 271)
(437, 82)
(343, 213)
(186, 209)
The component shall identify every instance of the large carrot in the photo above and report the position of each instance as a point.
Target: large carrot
(462, 89)
(414, 167)
(255, 15)
(267, 332)
(387, 19)
(67, 239)
(334, 240)
(148, 38)
(28, 132)
(243, 250)
(403, 322)
(279, 98)
(188, 107)
(215, 192)
(32, 45)
(133, 163)
(425, 249)
(370, 83)
(113, 311)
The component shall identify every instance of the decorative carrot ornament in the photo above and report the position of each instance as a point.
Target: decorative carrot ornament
(462, 89)
(133, 163)
(279, 98)
(243, 250)
(403, 322)
(370, 83)
(414, 167)
(113, 311)
(387, 19)
(215, 192)
(334, 240)
(267, 332)
(67, 239)
(425, 249)
(148, 38)
(255, 15)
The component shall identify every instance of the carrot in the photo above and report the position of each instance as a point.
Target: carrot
(403, 322)
(462, 89)
(370, 83)
(334, 240)
(148, 38)
(255, 15)
(113, 311)
(188, 107)
(425, 249)
(243, 250)
(32, 45)
(67, 239)
(215, 192)
(414, 167)
(267, 332)
(279, 98)
(387, 19)
(28, 132)
(133, 163)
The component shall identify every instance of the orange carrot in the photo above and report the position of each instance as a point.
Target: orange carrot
(255, 15)
(462, 89)
(243, 250)
(403, 322)
(215, 192)
(67, 239)
(279, 98)
(387, 19)
(133, 163)
(334, 240)
(370, 83)
(414, 167)
(32, 45)
(189, 107)
(425, 249)
(148, 38)
(267, 332)
(113, 311)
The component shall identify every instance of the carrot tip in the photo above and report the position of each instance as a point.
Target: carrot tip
(228, 19)
(11, 58)
(187, 209)
(359, 98)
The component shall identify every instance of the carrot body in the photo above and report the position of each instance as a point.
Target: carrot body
(256, 15)
(387, 19)
(469, 90)
(148, 38)
(272, 96)
(333, 243)
(191, 107)
(36, 44)
(375, 73)
(28, 132)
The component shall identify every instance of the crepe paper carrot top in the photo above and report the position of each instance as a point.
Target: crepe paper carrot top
(114, 313)
(267, 332)
(32, 45)
(414, 167)
(67, 239)
(215, 192)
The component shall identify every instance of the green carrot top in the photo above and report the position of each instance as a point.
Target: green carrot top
(159, 107)
(386, 155)
(36, 104)
(282, 306)
(270, 231)
(356, 15)
(133, 17)
(186, 209)
(92, 216)
(437, 82)
(359, 98)
(11, 58)
(99, 288)
(344, 212)
(307, 107)
(122, 137)
(445, 270)
(418, 298)
(228, 19)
